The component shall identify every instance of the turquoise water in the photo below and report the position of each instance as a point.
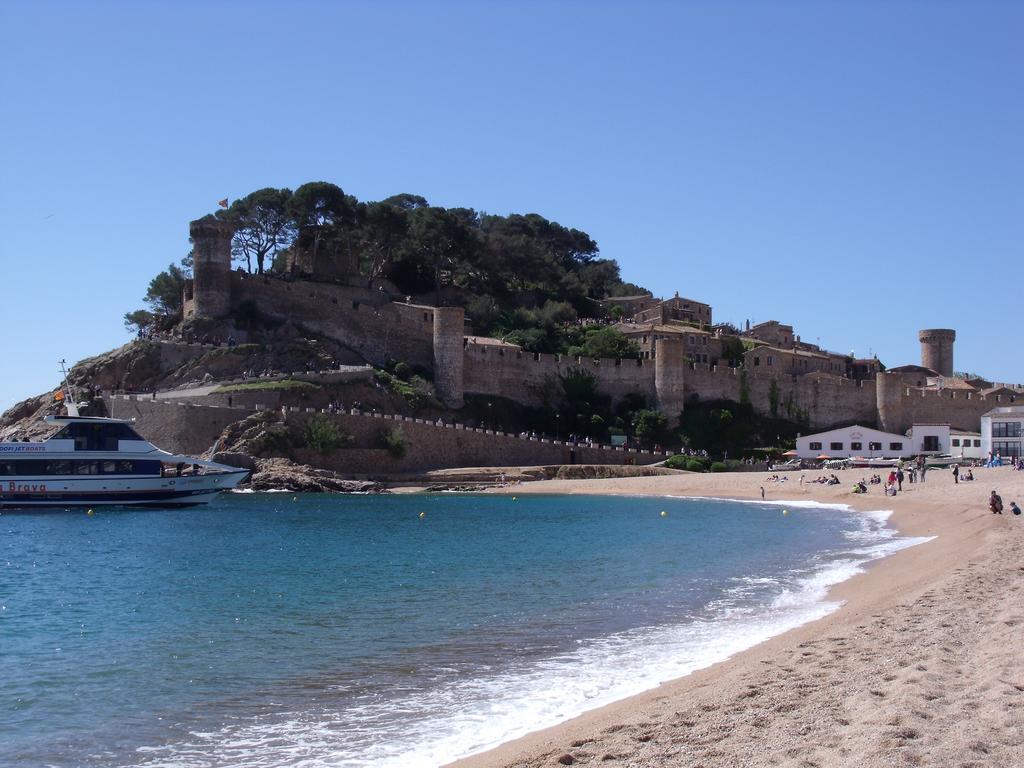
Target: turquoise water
(313, 630)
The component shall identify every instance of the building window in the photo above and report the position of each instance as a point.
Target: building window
(1005, 429)
(835, 446)
(814, 446)
(874, 446)
(691, 340)
(855, 446)
(931, 442)
(704, 340)
(956, 442)
(768, 360)
(1006, 448)
(757, 360)
(977, 443)
(895, 446)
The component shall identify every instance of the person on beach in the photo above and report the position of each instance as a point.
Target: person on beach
(899, 478)
(1014, 508)
(956, 475)
(995, 503)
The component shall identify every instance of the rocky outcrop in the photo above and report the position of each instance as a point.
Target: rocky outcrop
(283, 474)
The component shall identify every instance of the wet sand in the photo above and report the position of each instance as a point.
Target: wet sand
(923, 664)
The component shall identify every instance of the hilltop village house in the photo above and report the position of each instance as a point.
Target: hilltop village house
(683, 354)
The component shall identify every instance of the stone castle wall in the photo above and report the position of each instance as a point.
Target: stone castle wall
(826, 400)
(191, 429)
(381, 330)
(526, 376)
(378, 329)
(900, 407)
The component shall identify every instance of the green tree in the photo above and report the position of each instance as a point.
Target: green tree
(323, 435)
(382, 235)
(139, 320)
(323, 215)
(165, 292)
(605, 342)
(438, 240)
(263, 224)
(650, 425)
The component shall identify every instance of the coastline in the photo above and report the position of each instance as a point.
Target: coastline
(922, 635)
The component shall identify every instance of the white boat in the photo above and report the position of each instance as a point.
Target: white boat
(94, 461)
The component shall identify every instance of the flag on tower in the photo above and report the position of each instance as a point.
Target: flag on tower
(223, 203)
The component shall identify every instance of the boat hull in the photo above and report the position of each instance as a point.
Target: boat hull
(133, 492)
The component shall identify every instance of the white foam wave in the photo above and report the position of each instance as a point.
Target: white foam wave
(433, 727)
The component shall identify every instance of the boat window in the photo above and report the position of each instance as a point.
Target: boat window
(32, 467)
(96, 437)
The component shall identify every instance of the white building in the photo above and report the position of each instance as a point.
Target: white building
(1001, 431)
(847, 442)
(868, 443)
(965, 444)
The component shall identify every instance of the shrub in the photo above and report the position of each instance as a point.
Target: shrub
(402, 371)
(394, 441)
(324, 435)
(695, 466)
(677, 462)
(719, 466)
(273, 440)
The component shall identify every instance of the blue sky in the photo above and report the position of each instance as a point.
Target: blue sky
(852, 168)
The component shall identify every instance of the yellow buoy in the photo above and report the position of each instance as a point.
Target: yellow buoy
(295, 498)
(423, 514)
(664, 513)
(513, 498)
(89, 512)
(785, 511)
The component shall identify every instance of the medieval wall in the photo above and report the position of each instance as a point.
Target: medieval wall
(371, 325)
(901, 407)
(175, 426)
(433, 446)
(826, 400)
(379, 330)
(524, 376)
(191, 429)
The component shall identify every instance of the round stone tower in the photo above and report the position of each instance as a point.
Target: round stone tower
(211, 266)
(937, 349)
(449, 348)
(669, 377)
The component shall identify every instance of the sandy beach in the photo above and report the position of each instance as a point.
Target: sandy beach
(922, 665)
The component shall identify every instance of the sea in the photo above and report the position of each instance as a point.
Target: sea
(274, 629)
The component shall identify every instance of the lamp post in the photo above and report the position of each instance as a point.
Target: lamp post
(558, 426)
(490, 421)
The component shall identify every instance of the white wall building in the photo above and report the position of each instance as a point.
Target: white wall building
(1002, 431)
(965, 444)
(868, 443)
(847, 442)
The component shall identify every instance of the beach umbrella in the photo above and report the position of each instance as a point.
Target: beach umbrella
(823, 457)
(791, 453)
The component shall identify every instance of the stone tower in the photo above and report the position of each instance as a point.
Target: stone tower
(669, 376)
(449, 348)
(937, 349)
(211, 266)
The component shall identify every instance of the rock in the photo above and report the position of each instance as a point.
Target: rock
(232, 459)
(277, 474)
(567, 759)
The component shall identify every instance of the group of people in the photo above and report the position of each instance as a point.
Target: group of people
(995, 503)
(967, 476)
